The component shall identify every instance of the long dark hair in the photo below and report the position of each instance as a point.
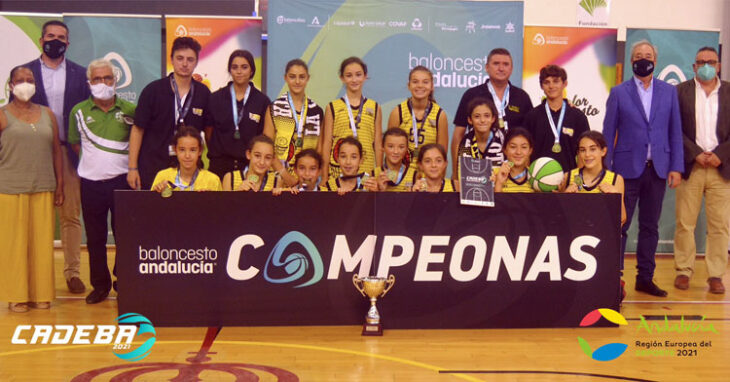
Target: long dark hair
(188, 131)
(479, 101)
(421, 68)
(245, 54)
(596, 137)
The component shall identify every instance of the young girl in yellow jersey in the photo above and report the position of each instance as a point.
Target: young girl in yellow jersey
(486, 139)
(257, 176)
(307, 167)
(189, 174)
(432, 166)
(293, 121)
(511, 176)
(420, 116)
(352, 116)
(349, 156)
(593, 177)
(396, 174)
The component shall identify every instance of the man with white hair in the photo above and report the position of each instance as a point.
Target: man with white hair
(99, 132)
(644, 131)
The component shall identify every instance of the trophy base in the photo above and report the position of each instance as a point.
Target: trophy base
(372, 330)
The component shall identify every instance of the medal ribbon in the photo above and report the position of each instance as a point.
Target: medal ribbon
(182, 110)
(555, 129)
(501, 104)
(354, 121)
(179, 184)
(238, 115)
(475, 153)
(413, 119)
(302, 114)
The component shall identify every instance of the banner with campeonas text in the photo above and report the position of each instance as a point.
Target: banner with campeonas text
(218, 37)
(676, 51)
(451, 38)
(220, 259)
(588, 55)
(131, 44)
(21, 34)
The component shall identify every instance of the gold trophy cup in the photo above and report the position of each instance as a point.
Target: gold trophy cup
(373, 287)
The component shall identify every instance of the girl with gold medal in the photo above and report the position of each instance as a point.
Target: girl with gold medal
(396, 174)
(293, 121)
(420, 116)
(352, 116)
(257, 176)
(485, 139)
(432, 165)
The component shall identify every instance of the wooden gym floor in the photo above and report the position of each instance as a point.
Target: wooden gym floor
(341, 354)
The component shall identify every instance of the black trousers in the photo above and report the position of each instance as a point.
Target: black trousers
(97, 201)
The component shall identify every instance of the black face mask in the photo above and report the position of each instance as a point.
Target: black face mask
(643, 67)
(54, 48)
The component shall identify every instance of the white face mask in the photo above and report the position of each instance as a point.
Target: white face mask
(24, 91)
(102, 91)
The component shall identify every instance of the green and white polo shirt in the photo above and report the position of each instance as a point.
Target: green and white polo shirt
(104, 138)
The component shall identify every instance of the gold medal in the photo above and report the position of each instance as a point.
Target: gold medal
(510, 163)
(167, 192)
(414, 156)
(253, 178)
(299, 142)
(557, 148)
(392, 175)
(501, 123)
(423, 184)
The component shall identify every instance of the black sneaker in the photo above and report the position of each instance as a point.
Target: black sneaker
(96, 296)
(650, 288)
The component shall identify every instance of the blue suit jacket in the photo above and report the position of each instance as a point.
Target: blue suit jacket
(77, 90)
(628, 133)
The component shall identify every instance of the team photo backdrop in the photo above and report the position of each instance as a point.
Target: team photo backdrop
(218, 36)
(588, 55)
(450, 38)
(131, 44)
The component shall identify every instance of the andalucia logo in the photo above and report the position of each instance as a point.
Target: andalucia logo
(591, 5)
(607, 352)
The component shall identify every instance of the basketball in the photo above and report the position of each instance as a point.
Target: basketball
(545, 174)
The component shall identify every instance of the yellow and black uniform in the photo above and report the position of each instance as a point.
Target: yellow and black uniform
(365, 132)
(204, 181)
(447, 185)
(400, 181)
(606, 177)
(427, 128)
(468, 146)
(515, 185)
(287, 142)
(269, 182)
(333, 184)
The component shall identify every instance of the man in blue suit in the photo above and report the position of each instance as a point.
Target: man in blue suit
(60, 85)
(644, 132)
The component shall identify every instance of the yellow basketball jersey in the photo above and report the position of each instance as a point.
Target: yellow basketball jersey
(512, 185)
(609, 177)
(365, 133)
(404, 184)
(427, 130)
(287, 142)
(205, 181)
(447, 185)
(267, 184)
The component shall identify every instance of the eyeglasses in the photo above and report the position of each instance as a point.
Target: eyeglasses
(107, 79)
(703, 62)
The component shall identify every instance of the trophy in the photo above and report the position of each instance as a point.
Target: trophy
(373, 287)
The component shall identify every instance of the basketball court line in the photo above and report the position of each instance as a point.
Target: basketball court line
(676, 302)
(545, 372)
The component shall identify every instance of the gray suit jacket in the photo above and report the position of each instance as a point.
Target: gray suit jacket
(686, 93)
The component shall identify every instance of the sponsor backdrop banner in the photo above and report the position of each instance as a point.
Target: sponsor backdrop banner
(130, 43)
(676, 51)
(21, 33)
(219, 37)
(452, 38)
(253, 261)
(588, 55)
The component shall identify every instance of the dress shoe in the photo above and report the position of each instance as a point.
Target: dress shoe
(650, 288)
(96, 296)
(681, 282)
(18, 307)
(40, 305)
(716, 286)
(75, 285)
